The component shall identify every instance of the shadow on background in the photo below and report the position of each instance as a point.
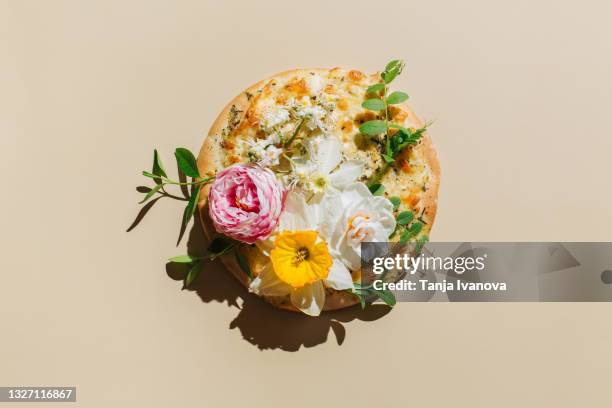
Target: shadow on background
(260, 323)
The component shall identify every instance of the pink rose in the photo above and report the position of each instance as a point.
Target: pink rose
(245, 202)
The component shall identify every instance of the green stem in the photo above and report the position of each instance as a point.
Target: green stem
(379, 174)
(201, 181)
(295, 133)
(386, 108)
(386, 166)
(166, 194)
(224, 251)
(289, 158)
(166, 180)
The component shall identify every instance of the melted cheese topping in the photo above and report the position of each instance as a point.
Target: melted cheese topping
(328, 103)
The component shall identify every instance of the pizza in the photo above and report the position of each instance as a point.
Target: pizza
(310, 163)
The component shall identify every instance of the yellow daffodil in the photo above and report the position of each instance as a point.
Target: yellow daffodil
(298, 259)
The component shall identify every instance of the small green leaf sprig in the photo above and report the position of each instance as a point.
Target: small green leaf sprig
(188, 166)
(218, 247)
(380, 102)
(407, 225)
(367, 294)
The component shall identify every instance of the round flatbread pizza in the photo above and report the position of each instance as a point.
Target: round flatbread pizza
(310, 163)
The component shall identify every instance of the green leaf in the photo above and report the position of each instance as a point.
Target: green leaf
(193, 273)
(386, 296)
(405, 237)
(357, 286)
(375, 88)
(365, 292)
(420, 244)
(158, 167)
(411, 232)
(360, 293)
(147, 174)
(396, 201)
(397, 97)
(405, 137)
(184, 259)
(187, 162)
(393, 64)
(405, 217)
(377, 189)
(396, 126)
(393, 233)
(374, 104)
(244, 264)
(416, 228)
(388, 158)
(392, 70)
(373, 127)
(219, 246)
(362, 299)
(192, 204)
(151, 193)
(416, 135)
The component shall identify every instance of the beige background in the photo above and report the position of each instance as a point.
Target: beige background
(520, 91)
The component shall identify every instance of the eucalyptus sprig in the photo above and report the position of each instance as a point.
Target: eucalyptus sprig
(218, 247)
(188, 166)
(380, 101)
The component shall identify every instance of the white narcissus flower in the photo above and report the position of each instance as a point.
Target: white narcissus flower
(353, 216)
(318, 172)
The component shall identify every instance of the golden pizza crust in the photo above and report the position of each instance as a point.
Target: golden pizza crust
(210, 160)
